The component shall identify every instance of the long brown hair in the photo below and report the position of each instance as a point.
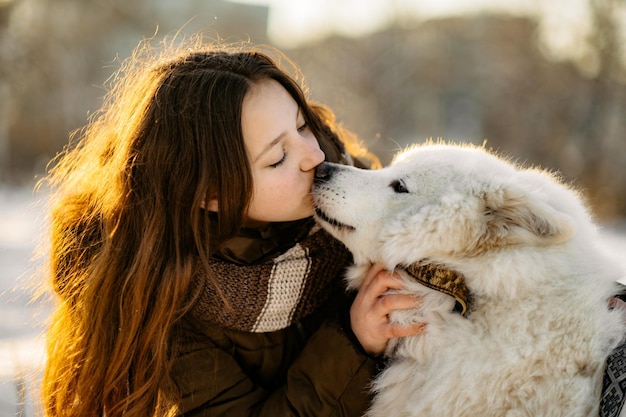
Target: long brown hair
(126, 223)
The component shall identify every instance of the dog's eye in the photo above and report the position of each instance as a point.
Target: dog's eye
(398, 186)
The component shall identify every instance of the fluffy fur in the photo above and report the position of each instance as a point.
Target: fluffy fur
(539, 329)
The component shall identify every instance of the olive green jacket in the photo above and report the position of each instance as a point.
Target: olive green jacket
(313, 368)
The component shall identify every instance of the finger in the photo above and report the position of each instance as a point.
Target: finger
(391, 302)
(384, 281)
(376, 283)
(371, 274)
(403, 330)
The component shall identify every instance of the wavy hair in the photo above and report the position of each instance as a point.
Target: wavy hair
(126, 224)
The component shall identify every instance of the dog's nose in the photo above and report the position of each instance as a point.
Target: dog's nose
(323, 171)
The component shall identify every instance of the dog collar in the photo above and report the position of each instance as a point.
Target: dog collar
(444, 280)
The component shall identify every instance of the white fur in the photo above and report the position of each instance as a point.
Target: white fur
(539, 330)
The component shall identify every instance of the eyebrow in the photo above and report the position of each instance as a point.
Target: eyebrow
(269, 146)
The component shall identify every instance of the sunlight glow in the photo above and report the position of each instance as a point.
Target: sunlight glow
(293, 22)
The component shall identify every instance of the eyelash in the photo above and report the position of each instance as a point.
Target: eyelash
(280, 162)
(303, 127)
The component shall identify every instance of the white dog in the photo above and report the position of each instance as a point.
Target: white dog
(536, 328)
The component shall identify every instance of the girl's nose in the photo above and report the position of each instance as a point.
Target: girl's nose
(313, 156)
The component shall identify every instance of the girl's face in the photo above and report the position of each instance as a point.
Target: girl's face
(283, 154)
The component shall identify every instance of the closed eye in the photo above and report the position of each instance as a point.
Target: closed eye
(399, 187)
(279, 162)
(304, 126)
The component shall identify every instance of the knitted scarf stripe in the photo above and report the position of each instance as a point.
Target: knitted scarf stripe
(276, 293)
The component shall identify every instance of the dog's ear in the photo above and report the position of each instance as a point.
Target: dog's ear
(514, 216)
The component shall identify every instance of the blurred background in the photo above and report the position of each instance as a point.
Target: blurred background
(543, 82)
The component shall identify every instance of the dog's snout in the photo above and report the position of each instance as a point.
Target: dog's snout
(324, 171)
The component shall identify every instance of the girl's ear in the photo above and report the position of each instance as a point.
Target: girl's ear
(212, 206)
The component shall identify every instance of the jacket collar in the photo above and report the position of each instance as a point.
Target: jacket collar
(255, 245)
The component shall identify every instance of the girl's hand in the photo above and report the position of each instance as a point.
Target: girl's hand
(369, 314)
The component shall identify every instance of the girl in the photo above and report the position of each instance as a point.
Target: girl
(191, 278)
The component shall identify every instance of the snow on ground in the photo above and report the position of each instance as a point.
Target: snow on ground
(21, 319)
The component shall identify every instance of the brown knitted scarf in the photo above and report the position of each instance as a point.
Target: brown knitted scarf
(276, 277)
(274, 293)
(283, 290)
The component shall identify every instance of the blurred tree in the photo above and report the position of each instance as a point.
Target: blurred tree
(474, 79)
(466, 78)
(53, 53)
(602, 130)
